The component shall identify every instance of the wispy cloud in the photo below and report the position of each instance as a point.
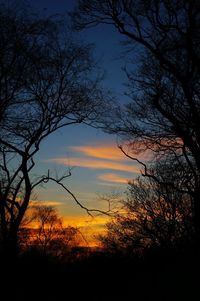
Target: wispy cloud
(95, 164)
(112, 152)
(84, 220)
(45, 203)
(108, 151)
(113, 178)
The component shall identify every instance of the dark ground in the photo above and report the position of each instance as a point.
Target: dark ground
(102, 277)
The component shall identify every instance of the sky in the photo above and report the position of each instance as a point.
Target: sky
(99, 167)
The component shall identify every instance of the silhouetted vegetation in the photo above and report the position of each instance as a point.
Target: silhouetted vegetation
(154, 215)
(162, 40)
(150, 250)
(103, 276)
(46, 84)
(42, 231)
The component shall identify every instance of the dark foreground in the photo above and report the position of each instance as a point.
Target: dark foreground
(101, 276)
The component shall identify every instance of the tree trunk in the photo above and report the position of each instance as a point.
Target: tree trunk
(9, 246)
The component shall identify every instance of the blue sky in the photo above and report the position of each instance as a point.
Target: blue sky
(77, 145)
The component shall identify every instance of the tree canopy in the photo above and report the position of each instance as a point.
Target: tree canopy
(47, 81)
(153, 215)
(162, 40)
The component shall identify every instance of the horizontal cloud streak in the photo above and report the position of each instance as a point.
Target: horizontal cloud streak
(45, 203)
(109, 152)
(95, 164)
(113, 178)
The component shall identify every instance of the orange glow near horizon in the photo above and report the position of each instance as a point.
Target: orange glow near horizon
(90, 227)
(117, 170)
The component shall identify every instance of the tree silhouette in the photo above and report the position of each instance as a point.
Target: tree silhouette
(162, 38)
(49, 226)
(47, 82)
(155, 214)
(43, 232)
(49, 235)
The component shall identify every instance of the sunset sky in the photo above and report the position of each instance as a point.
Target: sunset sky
(99, 166)
(99, 149)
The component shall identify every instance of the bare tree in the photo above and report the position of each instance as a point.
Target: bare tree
(50, 235)
(47, 82)
(163, 43)
(49, 226)
(42, 229)
(154, 214)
